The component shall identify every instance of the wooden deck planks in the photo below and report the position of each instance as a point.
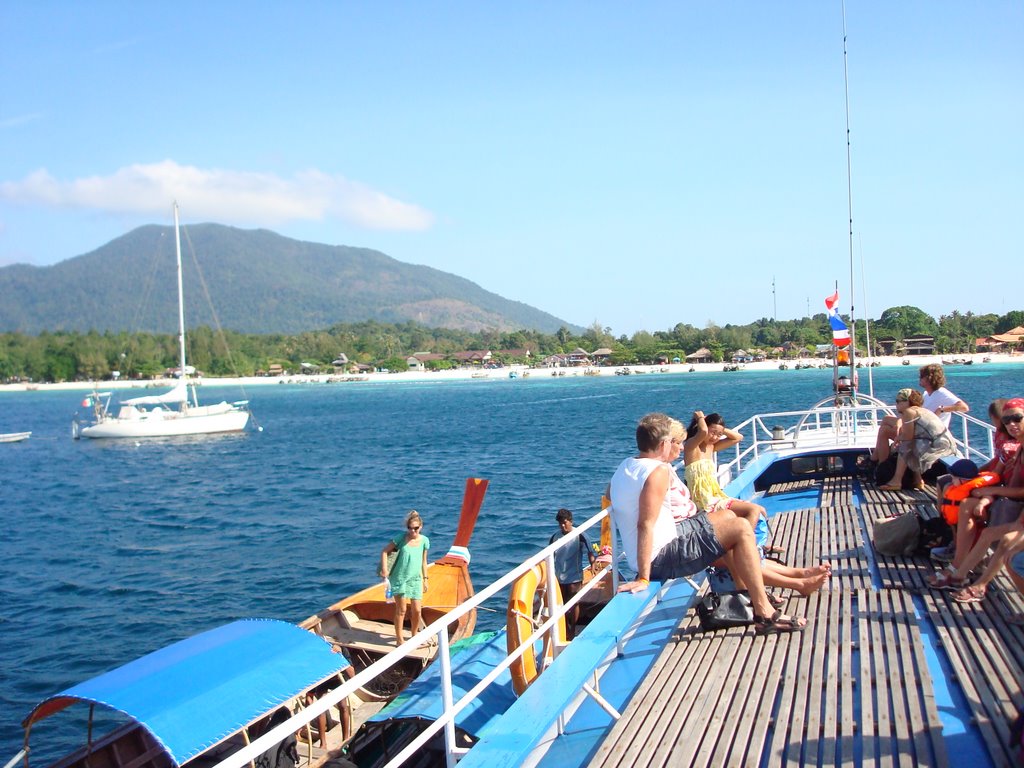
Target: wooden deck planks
(836, 694)
(821, 697)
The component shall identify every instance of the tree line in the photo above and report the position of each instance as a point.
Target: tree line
(75, 356)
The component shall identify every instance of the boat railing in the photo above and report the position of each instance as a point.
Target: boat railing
(439, 630)
(831, 425)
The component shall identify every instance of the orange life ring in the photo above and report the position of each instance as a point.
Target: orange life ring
(525, 603)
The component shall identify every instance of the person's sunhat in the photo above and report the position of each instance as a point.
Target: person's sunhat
(965, 469)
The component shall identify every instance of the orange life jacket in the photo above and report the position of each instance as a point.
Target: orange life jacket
(956, 493)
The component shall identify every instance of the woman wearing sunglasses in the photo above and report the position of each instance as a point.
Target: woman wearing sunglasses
(977, 510)
(923, 439)
(408, 574)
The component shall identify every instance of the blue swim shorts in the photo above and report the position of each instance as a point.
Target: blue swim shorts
(694, 549)
(1017, 564)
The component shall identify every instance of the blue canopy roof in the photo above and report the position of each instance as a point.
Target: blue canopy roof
(196, 692)
(472, 659)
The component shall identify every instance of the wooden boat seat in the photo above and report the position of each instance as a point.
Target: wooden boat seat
(375, 636)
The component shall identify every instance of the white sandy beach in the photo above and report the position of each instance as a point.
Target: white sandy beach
(521, 372)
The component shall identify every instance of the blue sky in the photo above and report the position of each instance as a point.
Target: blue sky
(631, 164)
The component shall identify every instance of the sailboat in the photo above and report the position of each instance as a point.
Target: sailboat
(171, 414)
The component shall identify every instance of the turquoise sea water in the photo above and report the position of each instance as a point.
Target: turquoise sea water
(111, 549)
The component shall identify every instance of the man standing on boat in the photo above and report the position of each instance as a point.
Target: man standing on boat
(569, 566)
(642, 513)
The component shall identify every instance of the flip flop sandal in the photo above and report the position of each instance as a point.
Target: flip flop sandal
(946, 580)
(890, 488)
(970, 595)
(777, 624)
(775, 600)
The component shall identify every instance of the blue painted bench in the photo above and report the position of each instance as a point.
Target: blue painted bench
(509, 741)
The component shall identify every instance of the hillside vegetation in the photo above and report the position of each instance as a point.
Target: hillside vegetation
(69, 356)
(258, 282)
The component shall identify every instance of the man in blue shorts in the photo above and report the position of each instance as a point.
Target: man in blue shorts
(569, 566)
(641, 510)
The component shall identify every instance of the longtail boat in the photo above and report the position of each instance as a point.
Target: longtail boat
(202, 699)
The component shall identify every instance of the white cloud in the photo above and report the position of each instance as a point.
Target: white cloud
(222, 195)
(14, 122)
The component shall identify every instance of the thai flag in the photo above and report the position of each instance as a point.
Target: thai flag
(840, 333)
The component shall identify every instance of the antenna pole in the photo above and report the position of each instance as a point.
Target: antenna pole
(849, 202)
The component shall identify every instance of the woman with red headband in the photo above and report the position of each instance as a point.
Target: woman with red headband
(977, 510)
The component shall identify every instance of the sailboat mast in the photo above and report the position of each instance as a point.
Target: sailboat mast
(181, 299)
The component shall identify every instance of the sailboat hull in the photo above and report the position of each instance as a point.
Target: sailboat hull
(159, 422)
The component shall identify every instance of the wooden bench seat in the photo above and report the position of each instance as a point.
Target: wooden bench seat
(536, 711)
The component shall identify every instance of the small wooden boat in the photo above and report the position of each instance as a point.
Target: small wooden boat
(14, 437)
(361, 625)
(199, 700)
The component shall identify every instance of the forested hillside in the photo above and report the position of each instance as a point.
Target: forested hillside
(258, 282)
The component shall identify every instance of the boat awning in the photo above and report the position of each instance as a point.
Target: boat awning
(196, 692)
(472, 659)
(179, 394)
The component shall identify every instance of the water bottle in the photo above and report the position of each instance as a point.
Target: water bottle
(388, 596)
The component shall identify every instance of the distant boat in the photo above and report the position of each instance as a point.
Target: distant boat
(171, 414)
(14, 437)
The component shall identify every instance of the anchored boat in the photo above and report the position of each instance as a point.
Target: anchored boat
(171, 414)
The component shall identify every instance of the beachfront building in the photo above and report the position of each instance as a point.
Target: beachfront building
(473, 358)
(578, 356)
(600, 356)
(702, 355)
(1011, 341)
(340, 363)
(919, 345)
(418, 361)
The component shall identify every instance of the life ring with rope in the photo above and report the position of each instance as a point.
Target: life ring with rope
(527, 610)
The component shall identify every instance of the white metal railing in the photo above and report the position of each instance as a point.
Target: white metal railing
(833, 425)
(439, 629)
(843, 424)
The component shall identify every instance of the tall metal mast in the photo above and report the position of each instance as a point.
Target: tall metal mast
(181, 302)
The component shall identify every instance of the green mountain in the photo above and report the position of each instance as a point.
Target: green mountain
(258, 282)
